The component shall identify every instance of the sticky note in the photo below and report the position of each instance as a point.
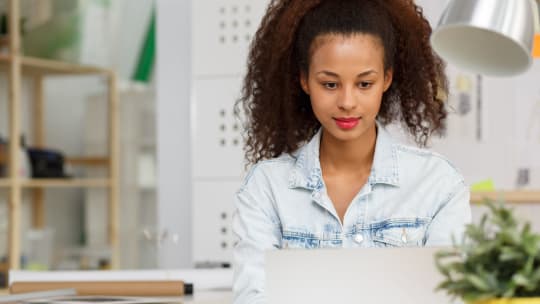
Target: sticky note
(483, 186)
(536, 46)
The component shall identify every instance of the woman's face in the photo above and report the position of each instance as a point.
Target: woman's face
(346, 82)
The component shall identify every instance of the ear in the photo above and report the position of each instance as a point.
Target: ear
(388, 77)
(304, 82)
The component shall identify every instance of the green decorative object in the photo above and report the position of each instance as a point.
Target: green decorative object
(498, 261)
(145, 63)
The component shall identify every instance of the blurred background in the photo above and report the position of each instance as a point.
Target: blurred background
(138, 170)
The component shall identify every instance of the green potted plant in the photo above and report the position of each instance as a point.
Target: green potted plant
(498, 261)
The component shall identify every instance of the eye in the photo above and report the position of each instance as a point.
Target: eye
(365, 84)
(330, 85)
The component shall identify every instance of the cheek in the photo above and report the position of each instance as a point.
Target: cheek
(317, 107)
(321, 112)
(376, 100)
(321, 102)
(374, 108)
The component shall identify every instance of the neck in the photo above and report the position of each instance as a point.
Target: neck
(354, 157)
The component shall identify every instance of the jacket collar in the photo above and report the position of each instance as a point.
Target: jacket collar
(307, 173)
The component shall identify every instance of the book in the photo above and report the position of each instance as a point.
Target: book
(108, 288)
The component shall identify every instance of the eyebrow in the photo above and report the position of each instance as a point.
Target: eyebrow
(368, 72)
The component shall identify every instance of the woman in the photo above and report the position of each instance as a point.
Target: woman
(324, 78)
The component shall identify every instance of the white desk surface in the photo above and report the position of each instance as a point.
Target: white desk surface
(206, 297)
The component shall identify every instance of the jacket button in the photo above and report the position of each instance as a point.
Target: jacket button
(359, 238)
(404, 237)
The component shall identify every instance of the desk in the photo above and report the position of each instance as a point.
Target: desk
(206, 297)
(200, 297)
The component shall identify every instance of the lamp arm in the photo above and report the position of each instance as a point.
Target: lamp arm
(536, 16)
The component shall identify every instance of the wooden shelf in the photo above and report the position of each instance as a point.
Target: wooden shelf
(507, 196)
(31, 65)
(88, 161)
(78, 161)
(58, 183)
(66, 183)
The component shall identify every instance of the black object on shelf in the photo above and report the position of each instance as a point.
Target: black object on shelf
(46, 163)
(3, 25)
(3, 272)
(3, 157)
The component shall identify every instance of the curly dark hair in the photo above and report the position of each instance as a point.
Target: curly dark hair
(278, 112)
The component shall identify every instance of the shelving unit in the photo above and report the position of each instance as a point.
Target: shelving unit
(39, 66)
(70, 183)
(507, 196)
(16, 65)
(58, 183)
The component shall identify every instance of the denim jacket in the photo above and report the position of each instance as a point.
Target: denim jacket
(413, 197)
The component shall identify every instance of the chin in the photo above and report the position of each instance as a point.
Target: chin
(346, 135)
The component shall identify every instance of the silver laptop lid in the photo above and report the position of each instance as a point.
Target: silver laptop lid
(366, 275)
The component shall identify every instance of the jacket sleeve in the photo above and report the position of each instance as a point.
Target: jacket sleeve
(451, 218)
(256, 229)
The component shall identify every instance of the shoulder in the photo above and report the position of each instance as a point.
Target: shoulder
(268, 172)
(426, 162)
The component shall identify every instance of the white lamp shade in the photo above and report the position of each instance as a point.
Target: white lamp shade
(491, 37)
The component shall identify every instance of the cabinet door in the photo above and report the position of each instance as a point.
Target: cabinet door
(212, 218)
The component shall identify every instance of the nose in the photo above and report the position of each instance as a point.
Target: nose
(347, 99)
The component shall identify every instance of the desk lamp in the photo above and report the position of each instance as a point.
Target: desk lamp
(491, 37)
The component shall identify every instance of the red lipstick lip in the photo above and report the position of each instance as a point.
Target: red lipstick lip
(347, 123)
(347, 119)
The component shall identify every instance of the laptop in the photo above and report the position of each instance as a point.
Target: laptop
(366, 275)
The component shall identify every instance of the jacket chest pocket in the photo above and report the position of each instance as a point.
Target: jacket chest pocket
(297, 239)
(307, 240)
(400, 233)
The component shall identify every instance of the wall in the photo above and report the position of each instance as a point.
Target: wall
(174, 128)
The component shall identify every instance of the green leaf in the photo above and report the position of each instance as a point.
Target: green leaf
(511, 237)
(526, 229)
(528, 267)
(447, 253)
(520, 279)
(489, 277)
(474, 296)
(477, 282)
(454, 287)
(536, 275)
(509, 293)
(510, 254)
(531, 244)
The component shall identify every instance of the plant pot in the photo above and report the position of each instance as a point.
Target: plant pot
(510, 301)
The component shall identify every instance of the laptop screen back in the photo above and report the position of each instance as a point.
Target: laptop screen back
(367, 275)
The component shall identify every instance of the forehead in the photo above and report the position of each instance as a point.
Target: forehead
(354, 50)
